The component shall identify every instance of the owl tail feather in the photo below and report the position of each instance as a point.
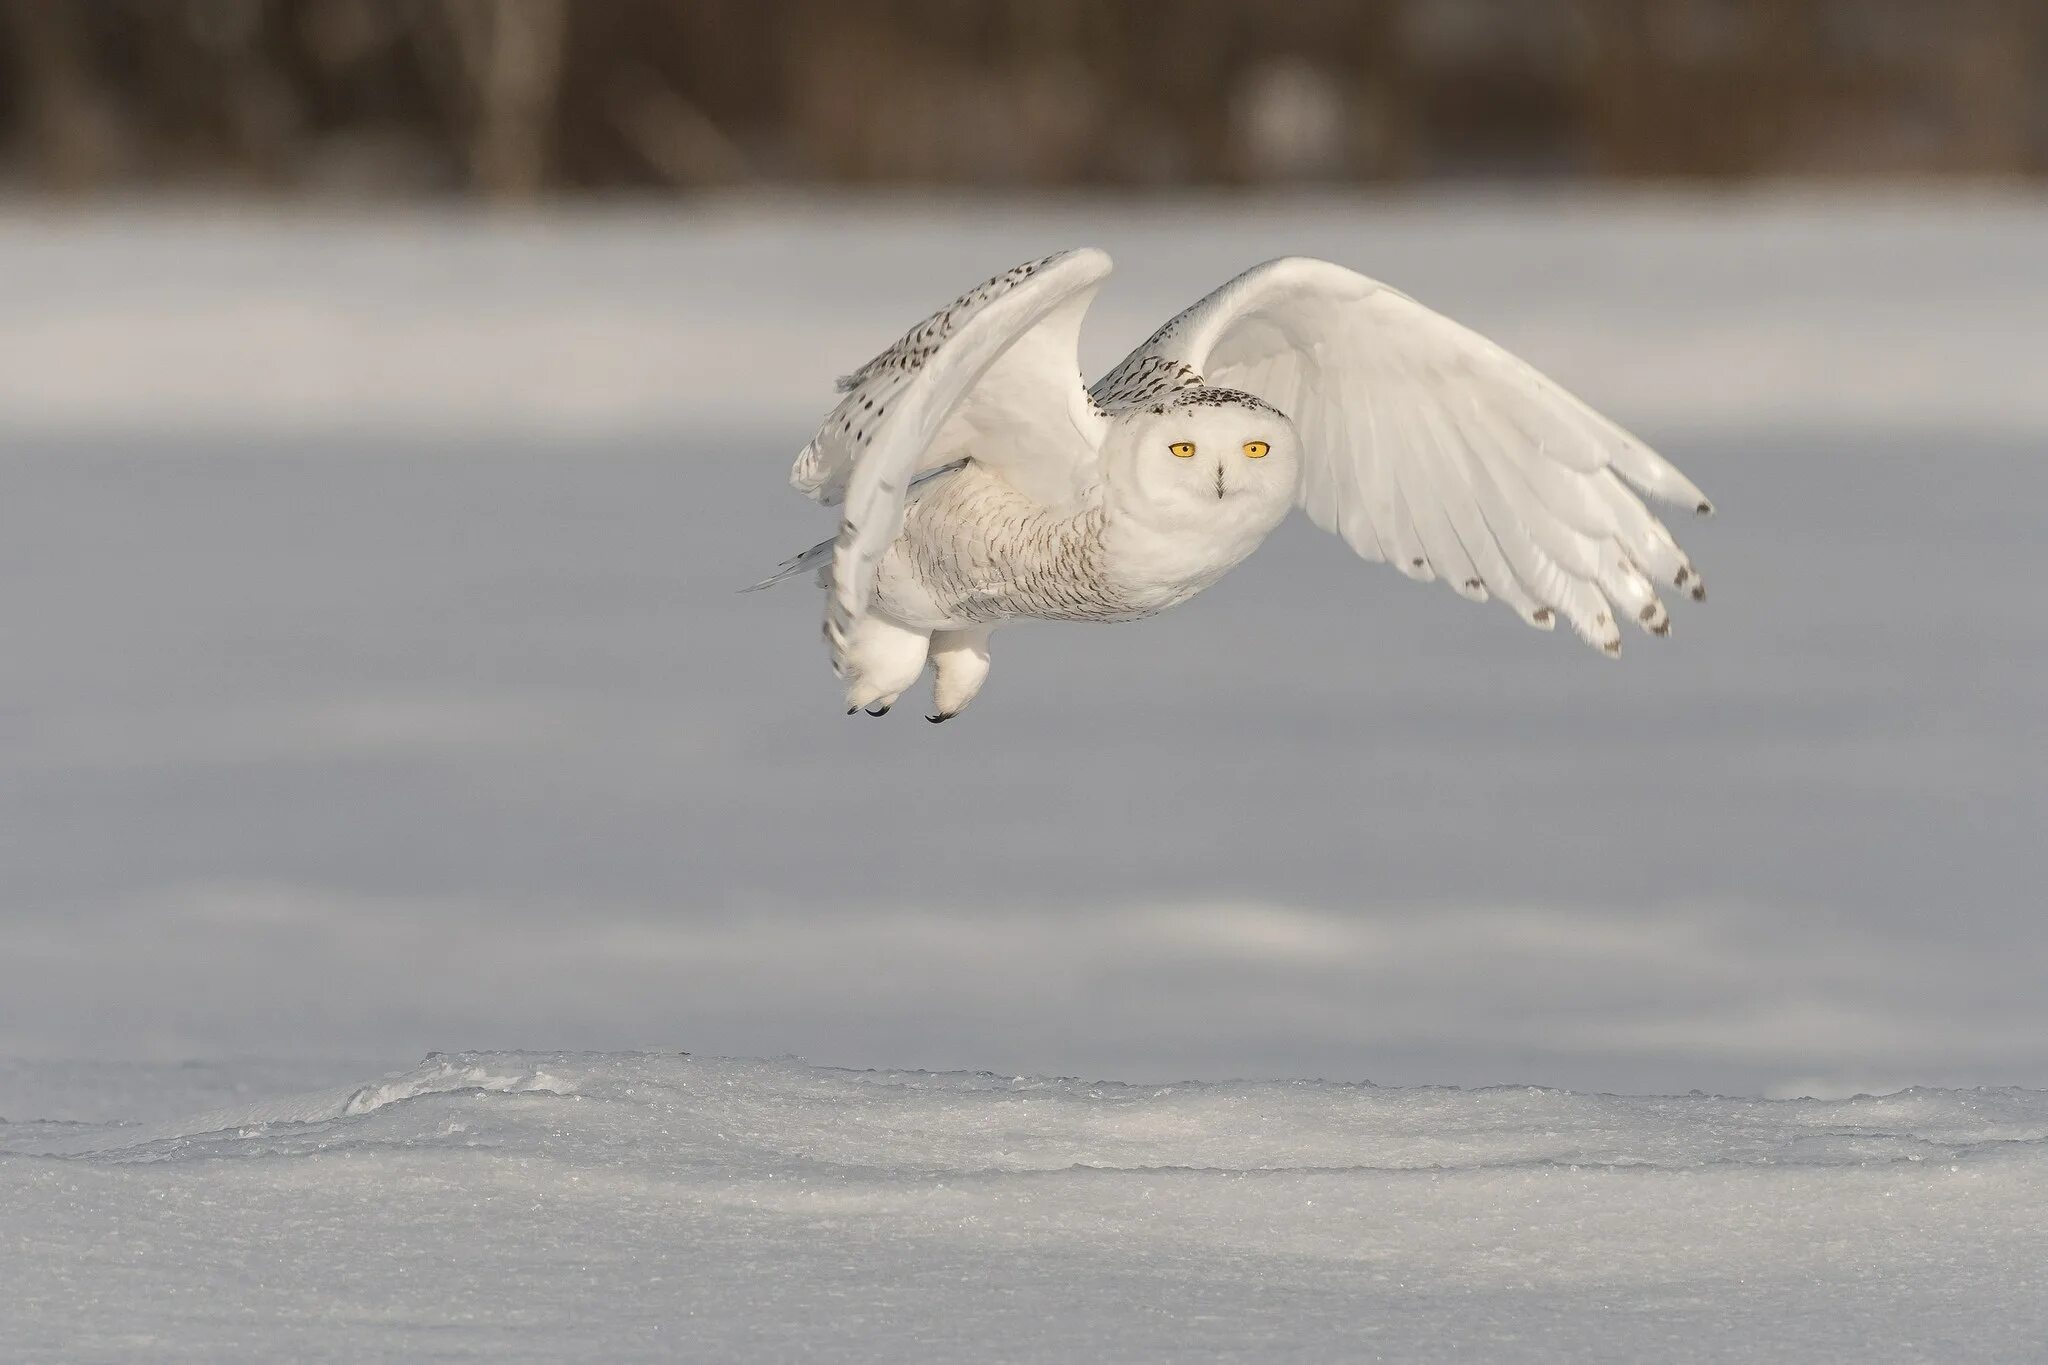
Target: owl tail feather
(818, 557)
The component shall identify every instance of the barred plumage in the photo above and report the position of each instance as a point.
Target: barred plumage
(975, 552)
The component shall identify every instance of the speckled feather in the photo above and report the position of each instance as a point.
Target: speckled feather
(975, 552)
(824, 466)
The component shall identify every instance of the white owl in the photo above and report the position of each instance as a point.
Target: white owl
(981, 482)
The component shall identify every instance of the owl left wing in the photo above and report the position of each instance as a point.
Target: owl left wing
(993, 377)
(1429, 447)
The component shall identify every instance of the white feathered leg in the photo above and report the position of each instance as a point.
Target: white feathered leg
(882, 658)
(960, 658)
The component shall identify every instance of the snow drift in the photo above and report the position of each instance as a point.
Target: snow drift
(642, 1206)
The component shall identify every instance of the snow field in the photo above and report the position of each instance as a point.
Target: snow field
(658, 1206)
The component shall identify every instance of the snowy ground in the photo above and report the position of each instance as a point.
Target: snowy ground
(373, 683)
(540, 1206)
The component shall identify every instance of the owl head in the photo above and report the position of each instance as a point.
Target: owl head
(1201, 455)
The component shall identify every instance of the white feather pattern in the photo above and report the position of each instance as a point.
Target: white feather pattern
(1429, 446)
(994, 375)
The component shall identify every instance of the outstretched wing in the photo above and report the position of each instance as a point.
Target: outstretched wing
(1429, 447)
(993, 377)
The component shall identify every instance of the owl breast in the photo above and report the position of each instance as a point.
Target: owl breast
(974, 551)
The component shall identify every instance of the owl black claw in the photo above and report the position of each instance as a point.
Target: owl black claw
(938, 719)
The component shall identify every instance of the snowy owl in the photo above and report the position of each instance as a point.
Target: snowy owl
(981, 482)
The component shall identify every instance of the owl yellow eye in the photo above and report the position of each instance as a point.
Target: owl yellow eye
(1256, 449)
(1184, 449)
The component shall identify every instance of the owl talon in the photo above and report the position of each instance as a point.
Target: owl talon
(878, 710)
(940, 719)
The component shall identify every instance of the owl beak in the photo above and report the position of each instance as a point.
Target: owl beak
(1219, 483)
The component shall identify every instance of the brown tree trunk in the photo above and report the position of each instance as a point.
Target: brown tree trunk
(71, 132)
(510, 53)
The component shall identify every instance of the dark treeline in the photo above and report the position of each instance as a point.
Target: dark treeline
(515, 98)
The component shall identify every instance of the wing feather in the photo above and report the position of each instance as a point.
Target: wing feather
(1450, 487)
(1389, 513)
(1348, 512)
(993, 377)
(1429, 446)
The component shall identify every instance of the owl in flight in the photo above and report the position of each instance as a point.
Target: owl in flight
(980, 481)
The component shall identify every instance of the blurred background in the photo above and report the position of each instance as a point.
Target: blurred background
(393, 396)
(517, 99)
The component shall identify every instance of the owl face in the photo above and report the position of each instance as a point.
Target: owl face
(1212, 454)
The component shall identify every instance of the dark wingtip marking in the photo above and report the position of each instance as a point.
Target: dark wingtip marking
(1541, 616)
(1474, 584)
(1416, 563)
(1705, 509)
(1699, 594)
(1661, 628)
(1648, 613)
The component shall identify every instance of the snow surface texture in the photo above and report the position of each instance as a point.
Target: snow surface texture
(550, 1206)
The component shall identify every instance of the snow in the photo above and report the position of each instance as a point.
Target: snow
(374, 682)
(1690, 310)
(552, 1206)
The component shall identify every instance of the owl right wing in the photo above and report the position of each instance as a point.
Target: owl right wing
(994, 377)
(1430, 447)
